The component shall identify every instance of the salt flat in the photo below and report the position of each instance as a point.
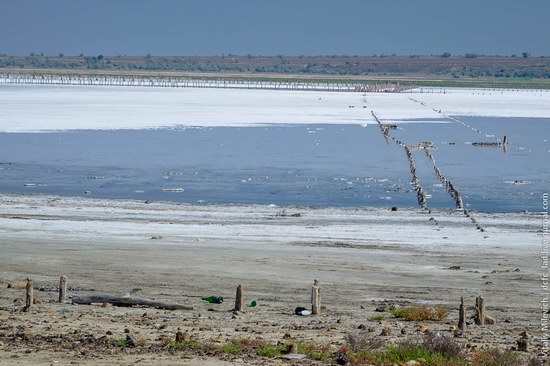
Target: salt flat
(31, 108)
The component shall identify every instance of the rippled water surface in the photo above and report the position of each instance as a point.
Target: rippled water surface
(320, 165)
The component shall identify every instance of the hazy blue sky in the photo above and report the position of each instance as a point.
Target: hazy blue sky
(292, 27)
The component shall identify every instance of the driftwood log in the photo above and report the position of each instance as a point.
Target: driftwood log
(17, 285)
(127, 302)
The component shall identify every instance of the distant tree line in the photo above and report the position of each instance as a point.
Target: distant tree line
(471, 66)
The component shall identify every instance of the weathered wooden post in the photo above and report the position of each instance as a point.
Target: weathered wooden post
(239, 298)
(480, 310)
(316, 298)
(62, 288)
(523, 342)
(181, 336)
(462, 316)
(29, 298)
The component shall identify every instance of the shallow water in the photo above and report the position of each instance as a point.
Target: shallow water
(328, 165)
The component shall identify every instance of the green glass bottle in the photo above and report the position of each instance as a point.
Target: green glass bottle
(213, 299)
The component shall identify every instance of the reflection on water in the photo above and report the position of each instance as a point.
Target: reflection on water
(324, 165)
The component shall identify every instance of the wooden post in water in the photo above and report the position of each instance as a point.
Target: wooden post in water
(239, 298)
(62, 288)
(480, 310)
(29, 298)
(462, 316)
(316, 298)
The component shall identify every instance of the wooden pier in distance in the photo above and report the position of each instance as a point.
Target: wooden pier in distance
(182, 81)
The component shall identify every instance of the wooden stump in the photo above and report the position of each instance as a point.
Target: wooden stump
(292, 348)
(29, 298)
(462, 316)
(62, 288)
(480, 310)
(523, 342)
(316, 298)
(239, 298)
(181, 337)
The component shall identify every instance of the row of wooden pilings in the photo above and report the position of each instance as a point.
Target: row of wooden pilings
(186, 82)
(451, 189)
(480, 317)
(420, 194)
(239, 296)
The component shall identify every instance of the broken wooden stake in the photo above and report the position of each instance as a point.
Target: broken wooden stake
(480, 310)
(316, 298)
(127, 302)
(181, 337)
(523, 342)
(462, 316)
(62, 288)
(292, 348)
(29, 298)
(239, 298)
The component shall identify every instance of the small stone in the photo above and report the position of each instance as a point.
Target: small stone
(404, 330)
(412, 363)
(490, 320)
(342, 359)
(362, 327)
(423, 328)
(292, 348)
(294, 356)
(131, 341)
(126, 330)
(381, 309)
(109, 332)
(386, 331)
(106, 305)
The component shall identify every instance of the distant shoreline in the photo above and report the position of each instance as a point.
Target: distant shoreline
(478, 72)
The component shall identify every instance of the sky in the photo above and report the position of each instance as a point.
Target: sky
(271, 27)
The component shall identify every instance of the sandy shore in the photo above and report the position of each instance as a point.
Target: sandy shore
(363, 257)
